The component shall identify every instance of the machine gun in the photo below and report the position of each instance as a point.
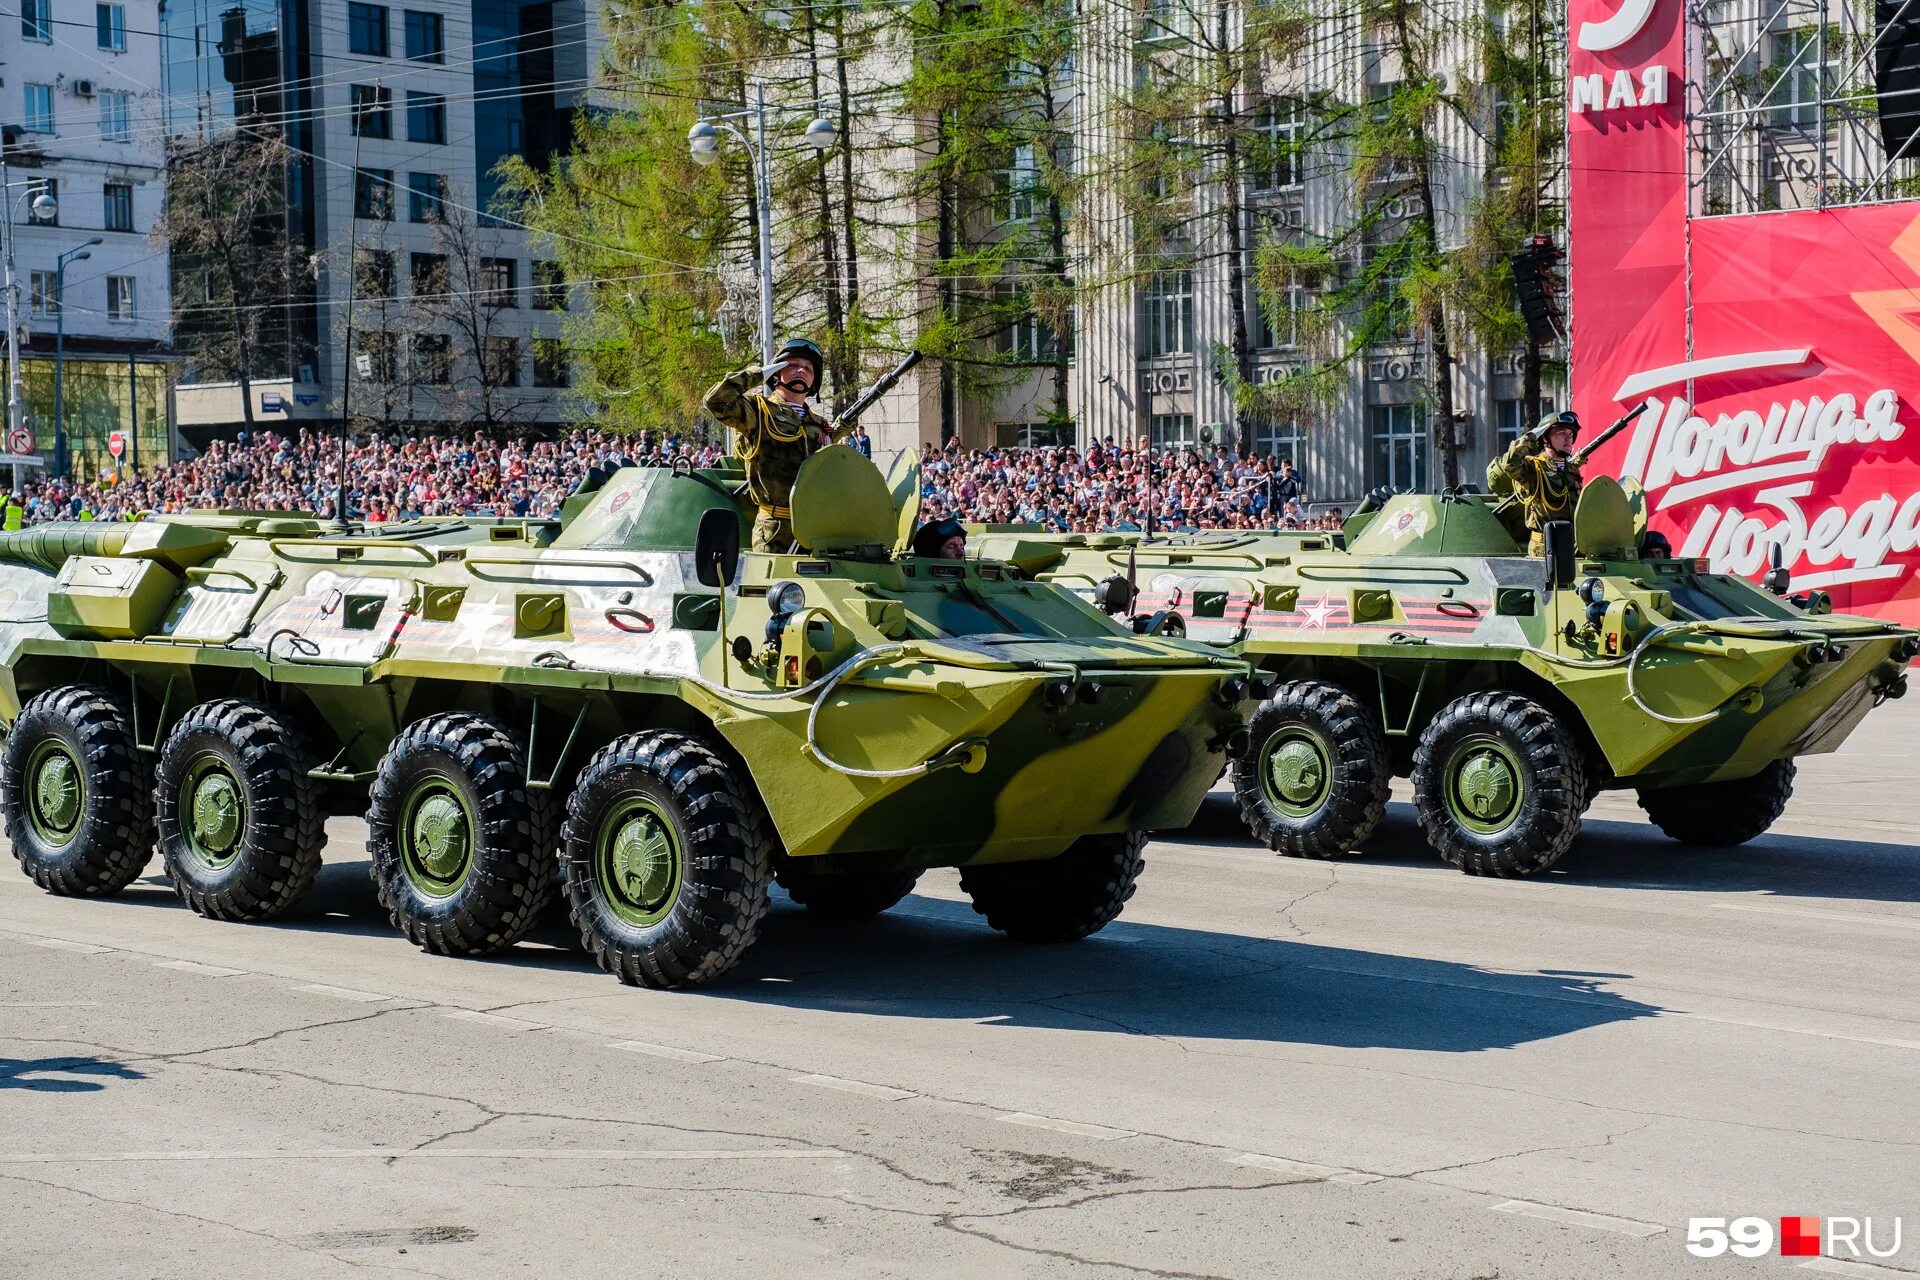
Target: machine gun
(885, 384)
(1609, 433)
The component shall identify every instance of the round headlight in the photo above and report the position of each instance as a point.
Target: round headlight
(786, 596)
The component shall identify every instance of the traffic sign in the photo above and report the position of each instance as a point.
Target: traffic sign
(116, 444)
(20, 440)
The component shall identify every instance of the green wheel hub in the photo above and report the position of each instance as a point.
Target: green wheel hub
(1295, 772)
(637, 859)
(1485, 785)
(213, 811)
(436, 837)
(56, 792)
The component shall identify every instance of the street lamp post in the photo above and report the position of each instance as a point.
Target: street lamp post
(77, 254)
(43, 206)
(703, 140)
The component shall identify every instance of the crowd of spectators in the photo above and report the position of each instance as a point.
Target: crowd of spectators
(1108, 485)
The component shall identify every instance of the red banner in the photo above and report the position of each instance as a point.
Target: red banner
(1778, 353)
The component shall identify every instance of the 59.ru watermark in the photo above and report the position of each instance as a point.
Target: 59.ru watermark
(1798, 1237)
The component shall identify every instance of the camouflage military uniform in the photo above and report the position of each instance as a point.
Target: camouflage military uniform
(772, 440)
(1545, 488)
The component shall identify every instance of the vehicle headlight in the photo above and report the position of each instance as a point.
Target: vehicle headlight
(786, 596)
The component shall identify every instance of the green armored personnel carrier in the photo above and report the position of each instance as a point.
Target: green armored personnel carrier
(1422, 640)
(685, 724)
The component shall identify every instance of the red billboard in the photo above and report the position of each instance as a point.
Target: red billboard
(1778, 353)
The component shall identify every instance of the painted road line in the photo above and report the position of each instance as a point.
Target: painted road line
(343, 993)
(1074, 1127)
(1304, 1170)
(665, 1051)
(1845, 917)
(194, 966)
(48, 1004)
(430, 1153)
(1580, 1218)
(860, 1087)
(61, 944)
(1842, 1267)
(494, 1020)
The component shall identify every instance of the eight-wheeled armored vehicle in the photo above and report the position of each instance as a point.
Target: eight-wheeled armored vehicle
(1422, 640)
(686, 724)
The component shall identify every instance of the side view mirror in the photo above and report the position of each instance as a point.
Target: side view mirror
(716, 547)
(1777, 579)
(1557, 535)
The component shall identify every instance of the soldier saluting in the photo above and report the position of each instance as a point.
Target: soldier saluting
(766, 407)
(1542, 473)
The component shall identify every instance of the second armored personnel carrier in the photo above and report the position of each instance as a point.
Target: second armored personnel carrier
(685, 724)
(1422, 640)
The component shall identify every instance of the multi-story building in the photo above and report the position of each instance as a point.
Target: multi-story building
(81, 84)
(396, 115)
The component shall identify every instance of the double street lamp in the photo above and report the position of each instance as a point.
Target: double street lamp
(78, 253)
(44, 208)
(703, 141)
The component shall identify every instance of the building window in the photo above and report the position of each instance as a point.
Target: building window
(426, 37)
(500, 282)
(426, 196)
(549, 362)
(432, 358)
(429, 274)
(110, 26)
(1167, 302)
(372, 111)
(1399, 434)
(36, 20)
(500, 362)
(43, 293)
(367, 29)
(1509, 420)
(1014, 184)
(373, 277)
(375, 359)
(1800, 78)
(120, 298)
(1276, 164)
(373, 194)
(1279, 328)
(117, 199)
(426, 118)
(1166, 22)
(1033, 435)
(1278, 440)
(549, 287)
(39, 117)
(116, 116)
(1169, 429)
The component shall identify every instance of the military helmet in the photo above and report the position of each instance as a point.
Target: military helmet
(931, 536)
(801, 349)
(1564, 418)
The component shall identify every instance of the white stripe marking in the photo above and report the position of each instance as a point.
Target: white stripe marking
(1074, 1127)
(494, 1020)
(343, 993)
(1850, 917)
(61, 944)
(431, 1153)
(1841, 1267)
(860, 1087)
(47, 1004)
(665, 1051)
(1580, 1218)
(194, 966)
(1304, 1169)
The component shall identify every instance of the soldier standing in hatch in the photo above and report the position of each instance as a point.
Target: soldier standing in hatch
(1539, 472)
(766, 407)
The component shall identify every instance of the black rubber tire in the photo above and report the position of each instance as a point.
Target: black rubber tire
(1361, 772)
(277, 855)
(846, 895)
(511, 870)
(724, 857)
(112, 841)
(1060, 899)
(1720, 815)
(1551, 796)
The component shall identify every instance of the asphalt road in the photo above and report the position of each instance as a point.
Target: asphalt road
(1267, 1068)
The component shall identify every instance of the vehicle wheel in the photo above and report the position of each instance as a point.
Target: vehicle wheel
(668, 864)
(1314, 782)
(843, 896)
(1720, 815)
(77, 795)
(1061, 899)
(1499, 785)
(462, 852)
(241, 827)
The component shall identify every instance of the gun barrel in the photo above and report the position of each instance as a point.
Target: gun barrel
(878, 389)
(1612, 431)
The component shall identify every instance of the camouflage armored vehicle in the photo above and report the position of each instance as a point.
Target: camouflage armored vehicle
(1422, 640)
(687, 724)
